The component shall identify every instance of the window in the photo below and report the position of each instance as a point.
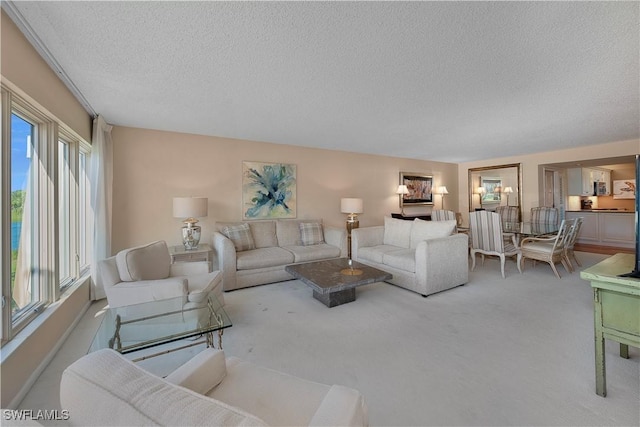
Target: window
(45, 221)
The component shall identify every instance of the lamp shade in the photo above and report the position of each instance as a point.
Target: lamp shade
(190, 207)
(507, 190)
(351, 205)
(481, 190)
(402, 189)
(442, 190)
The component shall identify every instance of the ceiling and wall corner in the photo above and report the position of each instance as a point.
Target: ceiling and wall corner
(445, 81)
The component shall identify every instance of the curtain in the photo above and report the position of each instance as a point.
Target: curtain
(101, 180)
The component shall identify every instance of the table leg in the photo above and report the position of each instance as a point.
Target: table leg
(601, 372)
(624, 351)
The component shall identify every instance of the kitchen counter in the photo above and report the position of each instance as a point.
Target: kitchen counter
(606, 227)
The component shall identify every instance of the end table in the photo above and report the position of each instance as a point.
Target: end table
(203, 252)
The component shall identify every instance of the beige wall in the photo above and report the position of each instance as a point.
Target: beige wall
(152, 167)
(530, 170)
(22, 66)
(28, 353)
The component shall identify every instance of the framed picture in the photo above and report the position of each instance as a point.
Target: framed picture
(268, 190)
(419, 186)
(624, 189)
(493, 190)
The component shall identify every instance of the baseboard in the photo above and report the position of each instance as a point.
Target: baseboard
(599, 249)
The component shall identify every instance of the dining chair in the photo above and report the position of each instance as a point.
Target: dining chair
(509, 213)
(544, 215)
(550, 249)
(442, 215)
(487, 239)
(571, 241)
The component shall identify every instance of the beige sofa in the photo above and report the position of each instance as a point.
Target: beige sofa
(423, 256)
(258, 251)
(105, 389)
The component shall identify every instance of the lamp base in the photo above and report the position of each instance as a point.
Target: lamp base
(352, 223)
(191, 237)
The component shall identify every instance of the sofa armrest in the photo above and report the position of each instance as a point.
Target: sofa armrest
(336, 236)
(226, 252)
(128, 293)
(202, 372)
(443, 261)
(189, 268)
(342, 406)
(365, 237)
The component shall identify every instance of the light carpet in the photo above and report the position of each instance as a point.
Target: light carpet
(495, 352)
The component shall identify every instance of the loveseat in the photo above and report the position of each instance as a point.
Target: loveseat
(256, 252)
(104, 388)
(423, 256)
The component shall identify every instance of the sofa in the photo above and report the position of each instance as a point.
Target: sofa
(423, 256)
(145, 273)
(106, 389)
(256, 252)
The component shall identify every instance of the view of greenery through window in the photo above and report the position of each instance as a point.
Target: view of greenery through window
(21, 136)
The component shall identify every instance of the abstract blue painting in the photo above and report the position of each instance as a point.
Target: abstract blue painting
(268, 190)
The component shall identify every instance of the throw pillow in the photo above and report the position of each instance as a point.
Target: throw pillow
(311, 233)
(240, 235)
(397, 232)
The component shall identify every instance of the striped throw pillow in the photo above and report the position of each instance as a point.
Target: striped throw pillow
(311, 233)
(240, 235)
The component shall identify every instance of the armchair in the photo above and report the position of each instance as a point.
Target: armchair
(145, 273)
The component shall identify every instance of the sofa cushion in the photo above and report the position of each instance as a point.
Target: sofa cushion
(313, 252)
(264, 233)
(424, 230)
(397, 232)
(147, 262)
(376, 253)
(288, 231)
(311, 233)
(264, 257)
(202, 372)
(404, 259)
(240, 235)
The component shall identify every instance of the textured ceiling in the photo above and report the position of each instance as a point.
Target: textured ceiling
(446, 81)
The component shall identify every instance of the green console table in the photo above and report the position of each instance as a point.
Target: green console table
(616, 304)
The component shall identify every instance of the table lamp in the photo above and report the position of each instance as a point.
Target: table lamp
(353, 207)
(401, 191)
(190, 208)
(507, 191)
(442, 190)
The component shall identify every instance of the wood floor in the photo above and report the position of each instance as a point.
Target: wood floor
(607, 250)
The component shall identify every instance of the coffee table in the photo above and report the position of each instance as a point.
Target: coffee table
(334, 281)
(137, 327)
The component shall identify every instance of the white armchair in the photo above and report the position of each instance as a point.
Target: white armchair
(145, 273)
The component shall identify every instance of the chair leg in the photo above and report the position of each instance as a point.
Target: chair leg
(573, 255)
(566, 264)
(473, 260)
(553, 266)
(519, 262)
(502, 265)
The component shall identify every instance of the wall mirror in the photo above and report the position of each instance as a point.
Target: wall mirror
(493, 186)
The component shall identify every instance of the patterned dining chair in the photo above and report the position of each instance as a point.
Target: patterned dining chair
(442, 215)
(544, 215)
(486, 239)
(509, 213)
(550, 249)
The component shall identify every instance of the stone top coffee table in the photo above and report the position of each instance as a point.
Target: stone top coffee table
(334, 281)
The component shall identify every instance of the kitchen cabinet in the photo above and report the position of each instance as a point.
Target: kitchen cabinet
(580, 181)
(606, 228)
